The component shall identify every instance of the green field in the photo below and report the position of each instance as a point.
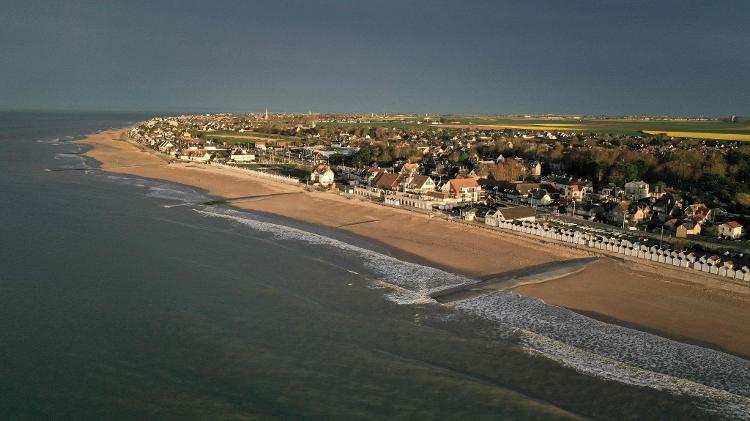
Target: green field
(232, 140)
(229, 134)
(711, 129)
(245, 138)
(375, 124)
(245, 134)
(702, 129)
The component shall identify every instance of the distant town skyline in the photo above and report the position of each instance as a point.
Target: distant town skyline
(477, 57)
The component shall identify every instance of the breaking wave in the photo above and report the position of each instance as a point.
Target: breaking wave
(54, 141)
(414, 282)
(178, 194)
(73, 158)
(720, 381)
(167, 191)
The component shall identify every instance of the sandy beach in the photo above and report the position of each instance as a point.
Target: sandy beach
(686, 307)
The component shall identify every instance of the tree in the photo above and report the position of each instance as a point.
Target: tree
(508, 170)
(362, 157)
(385, 156)
(743, 201)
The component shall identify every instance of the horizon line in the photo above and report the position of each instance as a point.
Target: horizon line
(200, 112)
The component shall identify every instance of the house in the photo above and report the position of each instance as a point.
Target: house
(242, 156)
(469, 214)
(167, 147)
(195, 154)
(387, 181)
(535, 169)
(322, 174)
(618, 212)
(419, 184)
(731, 230)
(637, 189)
(663, 206)
(516, 191)
(464, 189)
(540, 197)
(688, 228)
(611, 190)
(410, 169)
(590, 211)
(672, 224)
(658, 191)
(218, 154)
(372, 173)
(574, 191)
(638, 212)
(698, 212)
(516, 213)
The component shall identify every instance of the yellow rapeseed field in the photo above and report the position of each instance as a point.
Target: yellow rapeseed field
(703, 135)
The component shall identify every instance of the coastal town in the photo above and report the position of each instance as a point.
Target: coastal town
(375, 210)
(674, 201)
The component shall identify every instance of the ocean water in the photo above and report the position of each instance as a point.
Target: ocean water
(124, 297)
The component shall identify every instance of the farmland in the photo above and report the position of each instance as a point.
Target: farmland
(704, 129)
(233, 137)
(745, 135)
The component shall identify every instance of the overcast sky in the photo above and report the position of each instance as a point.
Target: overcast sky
(576, 57)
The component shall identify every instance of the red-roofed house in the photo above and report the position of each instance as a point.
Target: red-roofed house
(731, 229)
(575, 191)
(463, 189)
(387, 181)
(373, 172)
(699, 212)
(410, 169)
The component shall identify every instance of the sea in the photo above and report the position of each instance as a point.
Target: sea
(130, 298)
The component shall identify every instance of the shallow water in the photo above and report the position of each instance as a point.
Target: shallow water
(124, 297)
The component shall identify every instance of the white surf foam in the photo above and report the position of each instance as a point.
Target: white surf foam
(714, 400)
(720, 381)
(417, 280)
(647, 351)
(72, 160)
(181, 195)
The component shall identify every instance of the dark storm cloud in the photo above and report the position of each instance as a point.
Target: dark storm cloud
(585, 57)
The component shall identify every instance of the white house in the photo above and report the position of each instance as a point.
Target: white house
(517, 213)
(637, 189)
(731, 229)
(420, 184)
(323, 175)
(540, 197)
(242, 157)
(464, 189)
(195, 154)
(535, 169)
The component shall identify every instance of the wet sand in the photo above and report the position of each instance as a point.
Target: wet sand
(692, 307)
(676, 308)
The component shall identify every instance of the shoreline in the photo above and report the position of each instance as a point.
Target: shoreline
(622, 293)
